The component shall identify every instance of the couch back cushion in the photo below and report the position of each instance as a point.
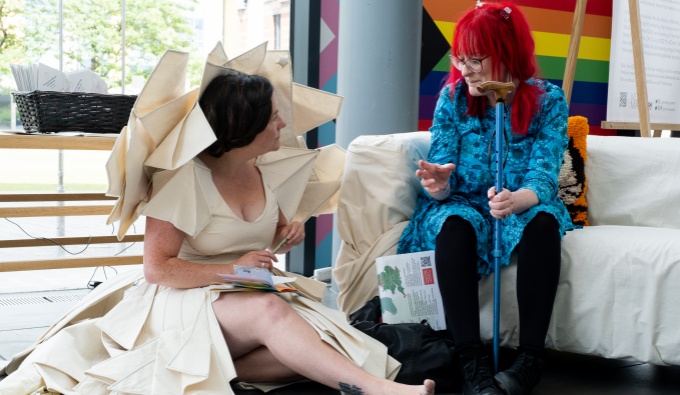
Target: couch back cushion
(633, 181)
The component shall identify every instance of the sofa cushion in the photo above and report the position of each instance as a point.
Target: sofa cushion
(572, 177)
(633, 181)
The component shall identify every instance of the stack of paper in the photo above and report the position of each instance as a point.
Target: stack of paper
(257, 278)
(86, 81)
(42, 77)
(26, 76)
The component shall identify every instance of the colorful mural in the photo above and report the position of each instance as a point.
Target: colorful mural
(551, 23)
(328, 72)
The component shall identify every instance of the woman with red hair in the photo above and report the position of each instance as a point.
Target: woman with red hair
(493, 42)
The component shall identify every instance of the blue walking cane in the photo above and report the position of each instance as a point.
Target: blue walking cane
(500, 90)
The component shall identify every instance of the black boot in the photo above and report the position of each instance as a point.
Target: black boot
(522, 376)
(477, 377)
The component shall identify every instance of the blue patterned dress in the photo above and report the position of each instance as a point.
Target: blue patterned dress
(532, 161)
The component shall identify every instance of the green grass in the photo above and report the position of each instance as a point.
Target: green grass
(16, 187)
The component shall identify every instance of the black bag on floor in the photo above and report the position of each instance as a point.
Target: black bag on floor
(423, 352)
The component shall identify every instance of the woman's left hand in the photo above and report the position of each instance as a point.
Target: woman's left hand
(293, 233)
(501, 204)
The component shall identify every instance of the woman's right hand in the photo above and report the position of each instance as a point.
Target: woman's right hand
(433, 177)
(262, 258)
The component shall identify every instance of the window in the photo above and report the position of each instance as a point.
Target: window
(122, 40)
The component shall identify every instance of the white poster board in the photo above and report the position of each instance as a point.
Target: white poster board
(660, 23)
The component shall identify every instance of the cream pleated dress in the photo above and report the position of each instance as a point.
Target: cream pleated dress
(131, 337)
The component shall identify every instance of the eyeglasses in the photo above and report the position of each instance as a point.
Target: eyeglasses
(474, 65)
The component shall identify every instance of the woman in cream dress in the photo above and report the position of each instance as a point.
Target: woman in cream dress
(181, 330)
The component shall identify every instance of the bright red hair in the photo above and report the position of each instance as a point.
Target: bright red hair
(499, 30)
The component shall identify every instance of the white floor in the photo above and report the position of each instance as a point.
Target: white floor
(27, 315)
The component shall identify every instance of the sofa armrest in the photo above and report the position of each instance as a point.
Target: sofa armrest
(377, 197)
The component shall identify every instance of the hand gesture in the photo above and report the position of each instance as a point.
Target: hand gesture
(290, 235)
(501, 204)
(434, 178)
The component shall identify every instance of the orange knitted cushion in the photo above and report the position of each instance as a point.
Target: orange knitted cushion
(572, 178)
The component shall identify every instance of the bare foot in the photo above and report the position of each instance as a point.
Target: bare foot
(394, 388)
(428, 388)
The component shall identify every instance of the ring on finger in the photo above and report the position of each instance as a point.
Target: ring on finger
(263, 264)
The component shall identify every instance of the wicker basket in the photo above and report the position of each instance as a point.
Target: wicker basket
(50, 112)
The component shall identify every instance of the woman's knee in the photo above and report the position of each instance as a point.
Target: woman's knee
(541, 243)
(456, 230)
(542, 224)
(456, 247)
(248, 305)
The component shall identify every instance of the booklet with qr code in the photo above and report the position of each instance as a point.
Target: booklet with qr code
(408, 289)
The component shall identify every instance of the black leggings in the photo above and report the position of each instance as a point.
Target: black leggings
(538, 273)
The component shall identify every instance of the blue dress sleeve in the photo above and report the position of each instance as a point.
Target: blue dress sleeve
(548, 150)
(444, 148)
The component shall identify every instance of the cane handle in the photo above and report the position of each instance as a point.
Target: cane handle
(500, 89)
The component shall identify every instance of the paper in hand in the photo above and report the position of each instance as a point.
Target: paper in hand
(257, 278)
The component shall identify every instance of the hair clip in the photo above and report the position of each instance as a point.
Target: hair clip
(479, 4)
(505, 12)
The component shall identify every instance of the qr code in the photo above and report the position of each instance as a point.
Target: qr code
(425, 261)
(623, 99)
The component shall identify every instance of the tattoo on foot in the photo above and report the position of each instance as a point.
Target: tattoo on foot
(350, 389)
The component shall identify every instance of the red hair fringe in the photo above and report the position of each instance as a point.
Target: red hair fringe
(490, 30)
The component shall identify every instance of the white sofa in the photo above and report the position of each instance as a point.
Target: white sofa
(619, 291)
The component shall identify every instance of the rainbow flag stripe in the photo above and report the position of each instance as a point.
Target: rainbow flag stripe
(551, 23)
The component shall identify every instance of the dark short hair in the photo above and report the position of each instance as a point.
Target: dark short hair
(238, 107)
